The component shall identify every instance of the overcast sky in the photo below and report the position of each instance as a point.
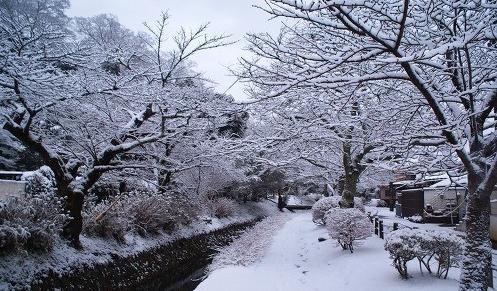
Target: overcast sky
(235, 17)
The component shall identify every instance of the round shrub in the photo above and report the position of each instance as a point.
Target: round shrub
(347, 226)
(324, 204)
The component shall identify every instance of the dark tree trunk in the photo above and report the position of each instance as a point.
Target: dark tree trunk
(74, 207)
(350, 188)
(165, 178)
(476, 273)
(350, 178)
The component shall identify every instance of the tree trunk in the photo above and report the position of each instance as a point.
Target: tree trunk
(164, 179)
(477, 262)
(74, 207)
(350, 188)
(350, 177)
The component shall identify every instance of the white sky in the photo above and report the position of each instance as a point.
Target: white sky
(235, 17)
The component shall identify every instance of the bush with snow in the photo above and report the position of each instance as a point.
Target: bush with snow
(31, 223)
(40, 182)
(112, 221)
(324, 204)
(223, 207)
(358, 204)
(415, 218)
(347, 226)
(152, 213)
(320, 208)
(142, 212)
(406, 244)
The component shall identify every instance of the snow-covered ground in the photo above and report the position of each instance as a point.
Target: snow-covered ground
(297, 261)
(251, 246)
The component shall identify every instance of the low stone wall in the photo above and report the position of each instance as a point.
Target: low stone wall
(158, 268)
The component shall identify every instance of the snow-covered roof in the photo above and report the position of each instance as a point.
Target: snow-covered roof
(460, 181)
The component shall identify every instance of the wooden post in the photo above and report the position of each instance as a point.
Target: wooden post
(381, 229)
(395, 226)
(376, 225)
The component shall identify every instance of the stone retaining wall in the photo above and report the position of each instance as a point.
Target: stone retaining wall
(155, 269)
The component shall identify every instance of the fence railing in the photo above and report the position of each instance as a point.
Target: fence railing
(381, 228)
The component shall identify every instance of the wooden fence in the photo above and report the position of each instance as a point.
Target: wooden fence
(380, 228)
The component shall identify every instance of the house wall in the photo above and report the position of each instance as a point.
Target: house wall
(493, 227)
(11, 188)
(383, 192)
(493, 216)
(439, 198)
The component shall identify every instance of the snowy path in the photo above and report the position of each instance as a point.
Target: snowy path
(296, 261)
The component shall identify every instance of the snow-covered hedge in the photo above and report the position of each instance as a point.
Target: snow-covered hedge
(324, 204)
(347, 226)
(406, 244)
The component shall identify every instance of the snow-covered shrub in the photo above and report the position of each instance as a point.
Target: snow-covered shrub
(347, 226)
(31, 223)
(358, 204)
(223, 207)
(150, 214)
(324, 204)
(415, 218)
(142, 212)
(12, 238)
(112, 222)
(40, 182)
(406, 244)
(40, 240)
(448, 250)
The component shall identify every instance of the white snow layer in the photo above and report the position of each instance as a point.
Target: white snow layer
(296, 261)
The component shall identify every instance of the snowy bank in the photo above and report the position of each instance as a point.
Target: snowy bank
(251, 246)
(117, 263)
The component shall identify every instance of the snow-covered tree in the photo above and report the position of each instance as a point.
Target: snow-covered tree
(90, 96)
(342, 130)
(441, 56)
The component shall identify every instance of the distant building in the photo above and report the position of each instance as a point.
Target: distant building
(11, 184)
